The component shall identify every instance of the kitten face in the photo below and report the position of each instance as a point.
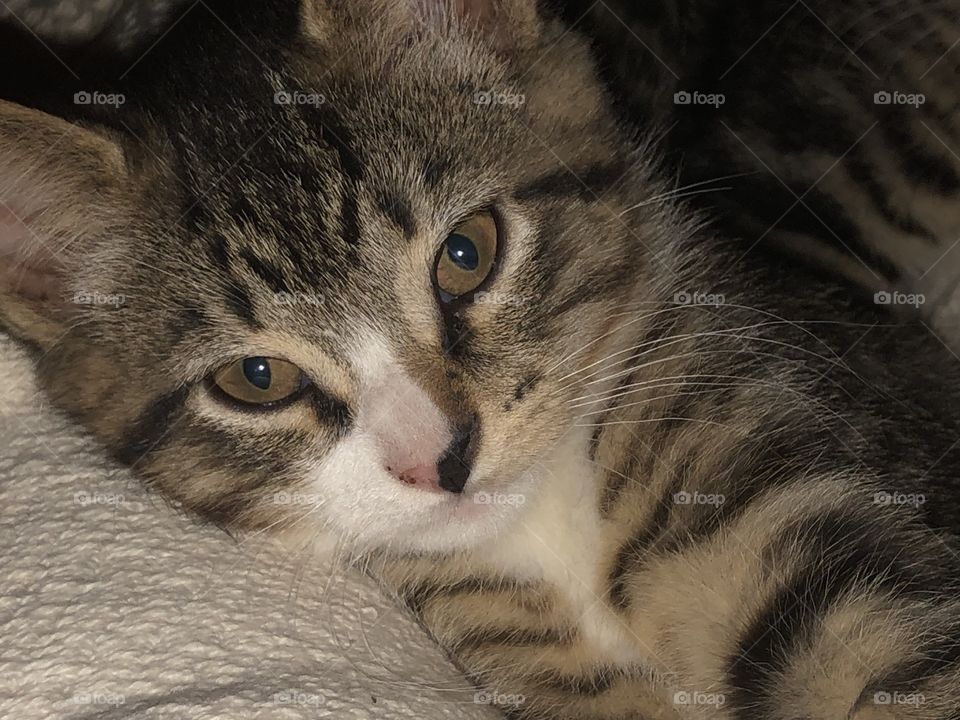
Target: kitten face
(318, 249)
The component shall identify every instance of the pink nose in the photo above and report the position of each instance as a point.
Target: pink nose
(449, 473)
(426, 477)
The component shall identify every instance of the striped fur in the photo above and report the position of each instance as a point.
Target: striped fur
(703, 485)
(812, 162)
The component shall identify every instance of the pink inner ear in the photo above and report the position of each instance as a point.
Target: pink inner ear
(27, 266)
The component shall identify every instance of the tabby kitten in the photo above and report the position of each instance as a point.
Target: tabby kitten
(835, 126)
(393, 275)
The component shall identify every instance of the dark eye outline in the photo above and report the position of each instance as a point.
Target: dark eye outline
(235, 403)
(452, 303)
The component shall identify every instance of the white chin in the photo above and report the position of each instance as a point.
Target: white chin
(457, 523)
(371, 510)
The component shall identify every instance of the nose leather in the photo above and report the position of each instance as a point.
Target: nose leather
(455, 463)
(422, 475)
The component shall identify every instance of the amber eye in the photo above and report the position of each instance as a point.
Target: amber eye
(260, 380)
(467, 257)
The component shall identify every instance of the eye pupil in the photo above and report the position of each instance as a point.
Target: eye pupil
(257, 372)
(462, 252)
(260, 381)
(466, 258)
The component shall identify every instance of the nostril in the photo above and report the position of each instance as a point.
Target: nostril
(453, 473)
(423, 475)
(454, 465)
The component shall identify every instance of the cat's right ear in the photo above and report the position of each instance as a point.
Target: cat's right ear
(60, 186)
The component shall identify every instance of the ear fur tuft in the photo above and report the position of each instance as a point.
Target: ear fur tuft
(60, 185)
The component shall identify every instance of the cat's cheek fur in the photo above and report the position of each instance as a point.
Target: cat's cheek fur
(361, 500)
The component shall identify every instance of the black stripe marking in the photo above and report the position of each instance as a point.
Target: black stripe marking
(350, 214)
(397, 209)
(266, 271)
(514, 637)
(587, 289)
(525, 386)
(923, 168)
(587, 183)
(261, 462)
(673, 419)
(616, 480)
(757, 464)
(236, 295)
(832, 218)
(219, 253)
(456, 336)
(756, 205)
(196, 215)
(597, 436)
(240, 303)
(313, 182)
(865, 177)
(590, 685)
(332, 411)
(417, 595)
(940, 657)
(841, 550)
(151, 425)
(434, 169)
(186, 320)
(242, 209)
(224, 510)
(339, 137)
(630, 555)
(610, 407)
(656, 333)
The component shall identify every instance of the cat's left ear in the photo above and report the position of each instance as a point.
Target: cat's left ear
(60, 186)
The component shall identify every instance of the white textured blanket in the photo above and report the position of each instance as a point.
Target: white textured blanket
(112, 606)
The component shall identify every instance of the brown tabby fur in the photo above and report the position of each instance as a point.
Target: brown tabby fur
(697, 436)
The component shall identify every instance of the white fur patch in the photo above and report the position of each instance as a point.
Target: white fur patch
(558, 541)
